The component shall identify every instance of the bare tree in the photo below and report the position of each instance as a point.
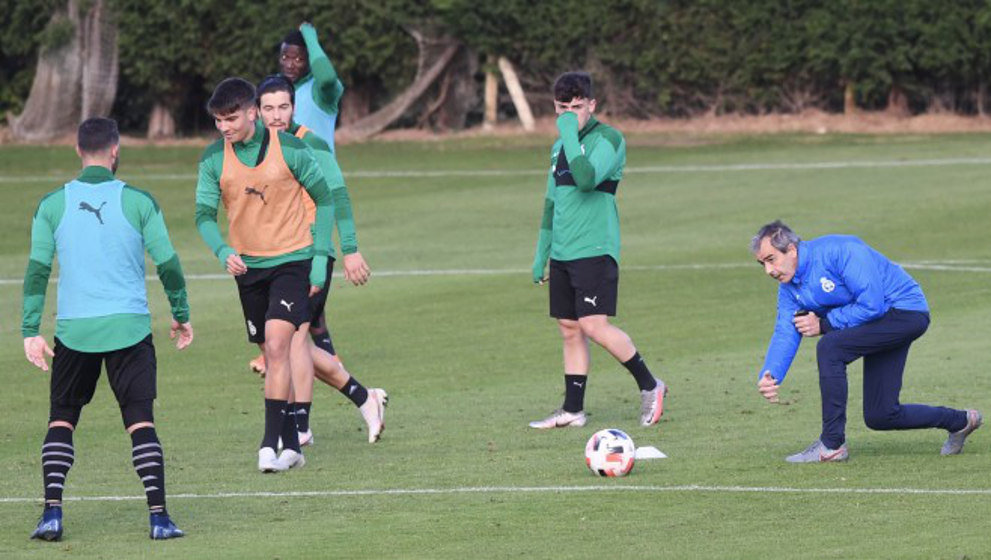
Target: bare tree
(76, 77)
(436, 51)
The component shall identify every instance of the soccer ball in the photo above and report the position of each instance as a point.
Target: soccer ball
(610, 453)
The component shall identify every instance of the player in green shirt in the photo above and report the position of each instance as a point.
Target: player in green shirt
(100, 227)
(580, 234)
(263, 177)
(276, 103)
(318, 88)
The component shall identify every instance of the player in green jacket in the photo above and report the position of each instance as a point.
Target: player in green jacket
(580, 234)
(100, 227)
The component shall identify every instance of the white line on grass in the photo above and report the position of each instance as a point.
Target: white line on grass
(948, 266)
(414, 173)
(533, 490)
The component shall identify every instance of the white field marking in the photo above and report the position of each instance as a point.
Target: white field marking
(949, 266)
(413, 173)
(533, 490)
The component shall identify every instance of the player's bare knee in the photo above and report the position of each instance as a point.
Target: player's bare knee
(570, 329)
(277, 348)
(594, 326)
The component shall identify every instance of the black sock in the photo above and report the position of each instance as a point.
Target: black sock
(57, 457)
(149, 463)
(637, 367)
(275, 413)
(355, 391)
(290, 437)
(574, 392)
(322, 341)
(303, 416)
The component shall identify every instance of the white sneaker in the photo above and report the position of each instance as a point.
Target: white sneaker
(305, 438)
(267, 461)
(290, 459)
(561, 418)
(373, 411)
(652, 404)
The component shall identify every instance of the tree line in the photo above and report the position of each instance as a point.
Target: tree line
(650, 58)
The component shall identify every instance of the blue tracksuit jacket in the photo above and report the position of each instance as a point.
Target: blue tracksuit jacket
(847, 283)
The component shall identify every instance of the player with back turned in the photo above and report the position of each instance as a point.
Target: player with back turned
(100, 227)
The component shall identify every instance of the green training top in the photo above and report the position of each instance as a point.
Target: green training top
(108, 332)
(327, 87)
(300, 160)
(580, 216)
(340, 200)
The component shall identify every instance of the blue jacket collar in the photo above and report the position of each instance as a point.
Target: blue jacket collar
(803, 262)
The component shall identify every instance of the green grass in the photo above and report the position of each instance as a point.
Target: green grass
(468, 359)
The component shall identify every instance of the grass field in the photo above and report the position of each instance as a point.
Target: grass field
(452, 327)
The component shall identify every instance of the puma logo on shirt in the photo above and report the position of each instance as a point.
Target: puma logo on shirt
(259, 193)
(96, 211)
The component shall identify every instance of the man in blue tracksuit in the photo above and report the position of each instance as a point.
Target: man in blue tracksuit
(864, 306)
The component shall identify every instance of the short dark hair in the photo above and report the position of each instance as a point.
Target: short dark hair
(294, 38)
(232, 94)
(275, 83)
(573, 84)
(97, 134)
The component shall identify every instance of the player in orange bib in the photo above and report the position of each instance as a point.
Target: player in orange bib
(263, 176)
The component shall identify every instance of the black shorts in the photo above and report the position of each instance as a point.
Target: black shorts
(281, 292)
(584, 287)
(131, 372)
(318, 301)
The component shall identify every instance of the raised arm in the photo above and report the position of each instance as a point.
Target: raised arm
(596, 163)
(326, 82)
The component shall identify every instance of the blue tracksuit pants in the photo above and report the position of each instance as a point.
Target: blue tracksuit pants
(883, 344)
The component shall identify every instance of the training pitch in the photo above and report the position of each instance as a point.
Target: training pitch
(452, 327)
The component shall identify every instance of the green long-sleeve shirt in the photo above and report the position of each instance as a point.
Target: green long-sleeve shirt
(327, 87)
(108, 332)
(304, 168)
(318, 93)
(580, 216)
(340, 200)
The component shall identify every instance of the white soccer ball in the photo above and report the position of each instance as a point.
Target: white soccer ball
(610, 453)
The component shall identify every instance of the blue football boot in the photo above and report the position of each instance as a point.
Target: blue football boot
(163, 528)
(50, 526)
